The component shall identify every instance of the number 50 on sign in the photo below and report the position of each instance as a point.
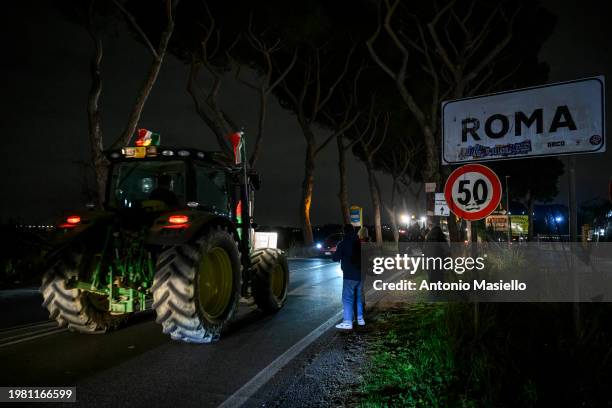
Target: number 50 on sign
(472, 191)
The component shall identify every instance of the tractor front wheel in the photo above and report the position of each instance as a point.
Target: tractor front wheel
(270, 278)
(197, 287)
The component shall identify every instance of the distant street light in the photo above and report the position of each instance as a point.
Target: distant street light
(404, 218)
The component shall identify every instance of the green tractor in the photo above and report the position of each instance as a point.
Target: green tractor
(176, 234)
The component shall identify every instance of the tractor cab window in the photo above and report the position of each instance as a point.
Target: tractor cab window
(134, 184)
(211, 189)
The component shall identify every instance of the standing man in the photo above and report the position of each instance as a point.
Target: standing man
(348, 253)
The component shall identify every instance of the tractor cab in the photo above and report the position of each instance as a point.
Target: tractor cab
(173, 179)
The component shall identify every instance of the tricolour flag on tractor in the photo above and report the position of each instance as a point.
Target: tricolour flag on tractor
(147, 138)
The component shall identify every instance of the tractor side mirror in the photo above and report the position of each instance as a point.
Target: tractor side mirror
(255, 181)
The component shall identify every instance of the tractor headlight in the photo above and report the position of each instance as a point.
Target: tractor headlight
(151, 151)
(129, 151)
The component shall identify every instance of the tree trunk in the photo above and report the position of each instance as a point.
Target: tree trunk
(376, 204)
(454, 232)
(96, 141)
(418, 203)
(307, 185)
(393, 212)
(343, 192)
(263, 101)
(101, 175)
(431, 172)
(149, 82)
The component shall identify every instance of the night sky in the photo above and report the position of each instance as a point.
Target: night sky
(44, 83)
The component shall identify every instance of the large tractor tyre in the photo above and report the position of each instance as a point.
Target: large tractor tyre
(78, 310)
(270, 278)
(197, 287)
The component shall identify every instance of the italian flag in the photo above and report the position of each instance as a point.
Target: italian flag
(235, 139)
(147, 138)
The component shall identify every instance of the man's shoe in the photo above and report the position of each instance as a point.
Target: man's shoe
(361, 322)
(344, 326)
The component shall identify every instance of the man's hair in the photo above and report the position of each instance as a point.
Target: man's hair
(363, 233)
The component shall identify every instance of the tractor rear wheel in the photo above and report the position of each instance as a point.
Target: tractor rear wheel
(197, 287)
(270, 278)
(78, 310)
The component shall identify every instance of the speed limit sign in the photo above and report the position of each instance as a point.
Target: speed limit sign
(472, 191)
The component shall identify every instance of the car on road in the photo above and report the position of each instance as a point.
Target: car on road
(327, 247)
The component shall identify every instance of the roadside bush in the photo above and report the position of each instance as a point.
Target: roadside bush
(497, 355)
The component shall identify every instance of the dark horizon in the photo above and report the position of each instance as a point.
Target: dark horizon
(45, 83)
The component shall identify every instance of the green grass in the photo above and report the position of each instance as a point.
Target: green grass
(493, 355)
(411, 363)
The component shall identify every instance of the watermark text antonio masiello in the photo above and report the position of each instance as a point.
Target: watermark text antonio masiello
(439, 274)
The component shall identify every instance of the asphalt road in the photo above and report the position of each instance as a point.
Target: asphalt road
(138, 366)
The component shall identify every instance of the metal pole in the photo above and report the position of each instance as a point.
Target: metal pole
(573, 233)
(508, 211)
(573, 218)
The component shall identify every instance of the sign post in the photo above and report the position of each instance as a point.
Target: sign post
(508, 211)
(573, 208)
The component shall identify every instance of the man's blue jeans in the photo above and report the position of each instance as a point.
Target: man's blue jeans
(351, 293)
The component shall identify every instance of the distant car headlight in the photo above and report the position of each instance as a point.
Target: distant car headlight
(319, 245)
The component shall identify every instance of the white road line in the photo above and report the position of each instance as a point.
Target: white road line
(310, 267)
(27, 333)
(307, 284)
(311, 284)
(26, 326)
(249, 389)
(35, 336)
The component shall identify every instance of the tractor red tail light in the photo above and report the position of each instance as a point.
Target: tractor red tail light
(178, 219)
(73, 219)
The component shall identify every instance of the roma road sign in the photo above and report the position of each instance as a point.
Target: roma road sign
(548, 120)
(472, 191)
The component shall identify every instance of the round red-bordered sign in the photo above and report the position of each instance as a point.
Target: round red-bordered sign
(472, 192)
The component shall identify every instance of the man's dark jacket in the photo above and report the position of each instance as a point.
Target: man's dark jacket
(346, 254)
